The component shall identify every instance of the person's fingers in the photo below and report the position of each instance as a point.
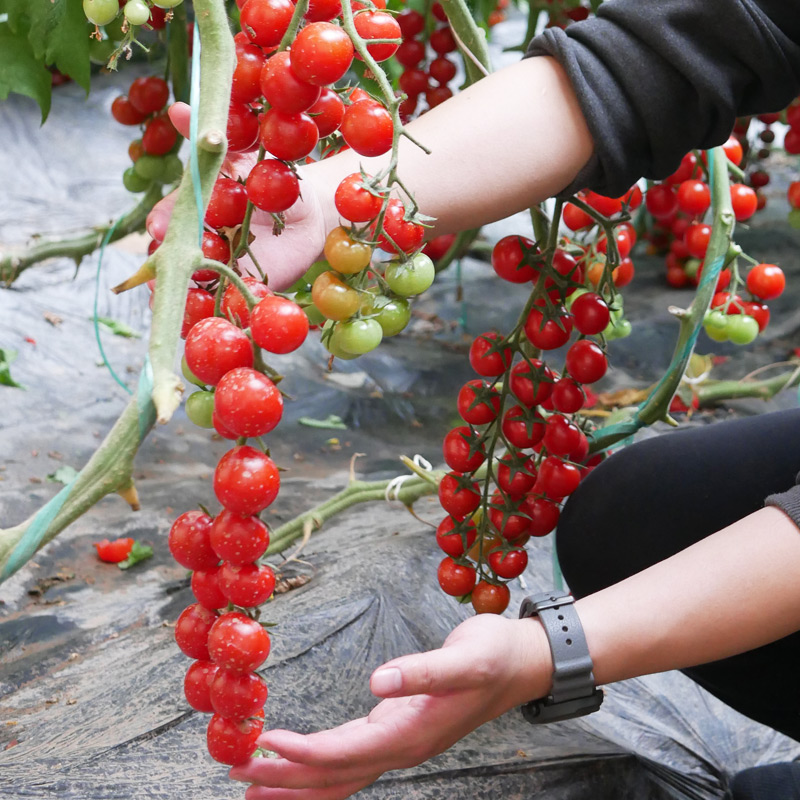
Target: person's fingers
(338, 792)
(437, 672)
(159, 216)
(179, 114)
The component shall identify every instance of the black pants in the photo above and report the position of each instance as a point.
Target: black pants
(657, 497)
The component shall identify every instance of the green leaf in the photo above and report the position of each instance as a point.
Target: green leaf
(65, 474)
(119, 328)
(330, 423)
(6, 357)
(58, 32)
(21, 72)
(139, 552)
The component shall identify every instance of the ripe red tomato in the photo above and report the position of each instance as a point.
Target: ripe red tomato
(434, 95)
(442, 40)
(149, 94)
(411, 23)
(455, 542)
(321, 53)
(288, 137)
(234, 306)
(766, 281)
(515, 475)
(459, 496)
(114, 551)
(278, 325)
(192, 629)
(410, 53)
(237, 695)
(238, 643)
(159, 136)
(531, 382)
(282, 89)
(508, 565)
(456, 579)
(247, 585)
(246, 480)
(228, 204)
(490, 598)
(442, 69)
(523, 429)
(793, 193)
(548, 333)
(354, 202)
(586, 362)
(478, 402)
(231, 742)
(400, 234)
(562, 436)
(513, 259)
(694, 197)
(247, 402)
(125, 112)
(238, 539)
(696, 239)
(189, 541)
(661, 201)
(327, 112)
(568, 395)
(576, 218)
(246, 86)
(590, 313)
(558, 478)
(759, 312)
(544, 515)
(215, 346)
(489, 355)
(378, 25)
(367, 128)
(508, 518)
(733, 150)
(197, 685)
(462, 450)
(413, 81)
(323, 10)
(744, 200)
(266, 21)
(206, 588)
(607, 206)
(273, 186)
(685, 171)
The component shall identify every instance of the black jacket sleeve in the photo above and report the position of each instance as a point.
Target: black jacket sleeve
(788, 502)
(657, 78)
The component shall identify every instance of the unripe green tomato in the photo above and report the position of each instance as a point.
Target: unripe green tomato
(137, 12)
(133, 182)
(358, 336)
(742, 329)
(332, 342)
(392, 315)
(715, 320)
(303, 299)
(167, 3)
(574, 296)
(794, 218)
(200, 409)
(691, 266)
(100, 12)
(150, 167)
(114, 28)
(100, 51)
(623, 328)
(411, 277)
(189, 375)
(173, 169)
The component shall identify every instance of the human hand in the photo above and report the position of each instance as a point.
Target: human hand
(284, 258)
(486, 666)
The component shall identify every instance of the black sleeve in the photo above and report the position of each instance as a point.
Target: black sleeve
(657, 78)
(788, 502)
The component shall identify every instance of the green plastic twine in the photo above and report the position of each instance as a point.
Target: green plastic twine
(106, 240)
(194, 99)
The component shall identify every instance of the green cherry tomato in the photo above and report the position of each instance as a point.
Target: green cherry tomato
(358, 336)
(691, 266)
(100, 51)
(716, 326)
(100, 12)
(742, 329)
(200, 409)
(794, 218)
(172, 170)
(392, 314)
(151, 168)
(133, 182)
(623, 328)
(167, 3)
(189, 375)
(137, 12)
(411, 277)
(332, 344)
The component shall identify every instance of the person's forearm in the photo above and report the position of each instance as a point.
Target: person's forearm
(731, 592)
(509, 141)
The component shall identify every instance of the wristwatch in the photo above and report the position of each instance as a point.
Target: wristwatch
(574, 693)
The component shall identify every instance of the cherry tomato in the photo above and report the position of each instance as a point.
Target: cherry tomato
(586, 362)
(531, 382)
(568, 395)
(282, 89)
(378, 25)
(327, 113)
(558, 478)
(694, 197)
(548, 333)
(278, 325)
(215, 346)
(159, 136)
(455, 579)
(462, 451)
(197, 685)
(523, 429)
(247, 585)
(149, 94)
(228, 203)
(478, 402)
(590, 313)
(334, 298)
(266, 21)
(125, 112)
(247, 402)
(114, 551)
(544, 515)
(206, 588)
(490, 598)
(515, 475)
(345, 254)
(189, 541)
(246, 480)
(237, 695)
(455, 537)
(321, 53)
(192, 629)
(273, 186)
(744, 200)
(231, 742)
(238, 539)
(412, 277)
(512, 259)
(288, 137)
(508, 565)
(367, 128)
(459, 496)
(488, 355)
(766, 281)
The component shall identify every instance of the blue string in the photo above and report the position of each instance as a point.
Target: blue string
(144, 399)
(106, 240)
(194, 100)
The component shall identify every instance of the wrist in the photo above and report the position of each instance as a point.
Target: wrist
(534, 677)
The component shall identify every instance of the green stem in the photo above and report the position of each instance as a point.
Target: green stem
(232, 276)
(472, 36)
(712, 392)
(12, 264)
(178, 50)
(461, 244)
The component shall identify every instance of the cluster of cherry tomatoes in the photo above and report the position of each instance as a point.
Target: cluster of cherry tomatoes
(118, 15)
(522, 405)
(154, 154)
